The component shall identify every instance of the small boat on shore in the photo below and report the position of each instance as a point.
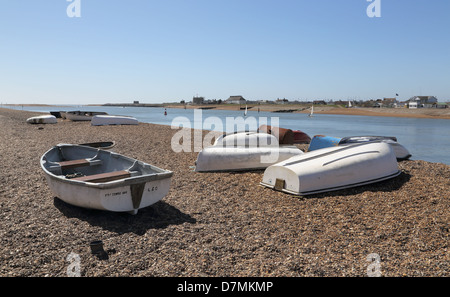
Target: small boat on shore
(104, 120)
(217, 158)
(94, 178)
(82, 115)
(43, 119)
(246, 139)
(401, 152)
(243, 151)
(57, 114)
(333, 168)
(322, 141)
(286, 136)
(106, 145)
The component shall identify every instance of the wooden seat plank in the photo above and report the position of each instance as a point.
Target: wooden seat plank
(73, 163)
(104, 177)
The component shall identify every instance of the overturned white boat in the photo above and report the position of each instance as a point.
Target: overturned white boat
(94, 178)
(322, 141)
(103, 120)
(401, 152)
(243, 151)
(333, 168)
(246, 139)
(43, 119)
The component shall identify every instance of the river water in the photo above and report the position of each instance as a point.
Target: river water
(426, 139)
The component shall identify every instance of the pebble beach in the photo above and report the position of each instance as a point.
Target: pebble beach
(214, 224)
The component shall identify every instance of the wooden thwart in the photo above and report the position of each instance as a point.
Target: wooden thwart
(74, 163)
(104, 177)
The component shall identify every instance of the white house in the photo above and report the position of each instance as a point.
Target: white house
(236, 100)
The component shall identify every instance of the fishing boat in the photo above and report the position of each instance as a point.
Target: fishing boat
(82, 115)
(333, 168)
(95, 178)
(322, 141)
(43, 119)
(103, 120)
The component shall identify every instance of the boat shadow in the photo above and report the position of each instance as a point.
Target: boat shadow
(390, 185)
(157, 216)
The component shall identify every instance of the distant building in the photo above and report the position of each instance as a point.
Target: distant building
(136, 102)
(282, 101)
(198, 100)
(389, 102)
(423, 101)
(236, 100)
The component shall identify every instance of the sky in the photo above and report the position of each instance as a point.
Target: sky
(156, 51)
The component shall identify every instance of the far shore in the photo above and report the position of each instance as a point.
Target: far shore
(431, 113)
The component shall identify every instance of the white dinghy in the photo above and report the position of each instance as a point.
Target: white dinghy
(401, 152)
(244, 151)
(333, 168)
(246, 139)
(103, 120)
(43, 119)
(94, 178)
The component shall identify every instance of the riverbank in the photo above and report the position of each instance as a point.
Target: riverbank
(431, 113)
(214, 224)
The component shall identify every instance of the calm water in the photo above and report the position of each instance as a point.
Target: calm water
(426, 139)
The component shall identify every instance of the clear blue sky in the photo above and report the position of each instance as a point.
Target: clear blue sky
(169, 50)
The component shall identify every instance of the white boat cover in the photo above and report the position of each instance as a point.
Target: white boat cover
(333, 168)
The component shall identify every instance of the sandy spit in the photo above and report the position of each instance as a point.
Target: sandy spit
(214, 224)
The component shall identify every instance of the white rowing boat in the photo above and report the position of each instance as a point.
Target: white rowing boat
(82, 115)
(333, 168)
(246, 139)
(43, 119)
(243, 151)
(94, 178)
(103, 120)
(401, 152)
(322, 141)
(215, 158)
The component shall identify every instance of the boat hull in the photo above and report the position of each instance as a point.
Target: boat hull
(400, 151)
(44, 119)
(143, 186)
(333, 168)
(284, 136)
(246, 139)
(215, 158)
(323, 141)
(103, 120)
